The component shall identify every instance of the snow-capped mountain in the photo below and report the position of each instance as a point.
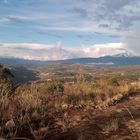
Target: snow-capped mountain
(124, 53)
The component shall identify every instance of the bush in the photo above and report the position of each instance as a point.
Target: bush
(6, 86)
(52, 87)
(113, 81)
(5, 75)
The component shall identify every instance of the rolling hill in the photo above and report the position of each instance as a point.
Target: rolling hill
(118, 60)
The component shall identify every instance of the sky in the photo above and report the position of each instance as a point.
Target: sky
(62, 29)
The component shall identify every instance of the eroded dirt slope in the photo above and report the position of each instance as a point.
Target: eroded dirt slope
(118, 122)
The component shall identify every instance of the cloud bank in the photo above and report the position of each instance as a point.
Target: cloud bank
(46, 19)
(58, 51)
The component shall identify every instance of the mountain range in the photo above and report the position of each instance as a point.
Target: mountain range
(116, 60)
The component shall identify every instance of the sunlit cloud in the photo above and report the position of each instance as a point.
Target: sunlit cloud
(58, 51)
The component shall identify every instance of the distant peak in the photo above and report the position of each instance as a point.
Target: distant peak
(126, 53)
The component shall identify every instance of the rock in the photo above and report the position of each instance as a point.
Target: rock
(77, 118)
(10, 124)
(65, 106)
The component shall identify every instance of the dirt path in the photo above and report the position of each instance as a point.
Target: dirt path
(118, 122)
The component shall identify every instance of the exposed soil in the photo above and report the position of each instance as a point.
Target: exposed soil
(91, 124)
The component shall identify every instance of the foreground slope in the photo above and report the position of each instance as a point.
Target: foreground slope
(83, 108)
(118, 122)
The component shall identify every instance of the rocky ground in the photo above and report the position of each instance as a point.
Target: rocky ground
(118, 122)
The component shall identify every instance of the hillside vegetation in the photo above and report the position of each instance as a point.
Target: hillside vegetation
(5, 81)
(44, 110)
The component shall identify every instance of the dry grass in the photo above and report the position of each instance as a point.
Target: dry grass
(35, 113)
(111, 126)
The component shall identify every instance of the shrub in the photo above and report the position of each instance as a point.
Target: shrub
(113, 81)
(112, 125)
(52, 87)
(6, 86)
(5, 74)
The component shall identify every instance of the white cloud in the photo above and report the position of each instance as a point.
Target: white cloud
(113, 17)
(132, 39)
(25, 46)
(104, 49)
(34, 51)
(58, 51)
